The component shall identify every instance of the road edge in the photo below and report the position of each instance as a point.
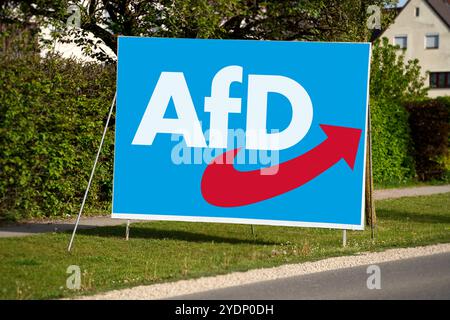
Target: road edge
(198, 285)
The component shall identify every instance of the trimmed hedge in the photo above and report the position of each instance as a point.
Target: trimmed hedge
(429, 122)
(446, 101)
(392, 80)
(52, 112)
(391, 142)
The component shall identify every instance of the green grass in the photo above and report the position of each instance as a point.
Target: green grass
(35, 267)
(408, 183)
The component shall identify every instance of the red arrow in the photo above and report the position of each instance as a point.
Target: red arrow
(222, 185)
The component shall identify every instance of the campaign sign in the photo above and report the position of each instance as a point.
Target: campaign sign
(257, 132)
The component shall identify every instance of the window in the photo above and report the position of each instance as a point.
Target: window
(439, 79)
(432, 41)
(417, 11)
(401, 41)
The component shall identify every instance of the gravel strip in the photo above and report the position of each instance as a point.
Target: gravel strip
(410, 192)
(184, 287)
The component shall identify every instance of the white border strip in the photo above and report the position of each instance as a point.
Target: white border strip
(137, 216)
(153, 217)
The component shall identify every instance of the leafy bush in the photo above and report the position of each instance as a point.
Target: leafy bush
(429, 122)
(446, 101)
(391, 143)
(392, 78)
(391, 82)
(52, 112)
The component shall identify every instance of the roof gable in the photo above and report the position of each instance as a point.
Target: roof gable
(442, 9)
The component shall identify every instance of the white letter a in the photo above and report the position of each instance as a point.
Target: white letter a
(170, 85)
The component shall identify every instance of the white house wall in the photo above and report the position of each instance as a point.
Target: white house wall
(433, 60)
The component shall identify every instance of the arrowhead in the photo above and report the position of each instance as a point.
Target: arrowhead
(345, 141)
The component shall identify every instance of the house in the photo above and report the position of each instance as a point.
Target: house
(422, 28)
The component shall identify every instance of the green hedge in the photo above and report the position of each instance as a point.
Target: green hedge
(52, 112)
(392, 81)
(446, 101)
(391, 142)
(429, 123)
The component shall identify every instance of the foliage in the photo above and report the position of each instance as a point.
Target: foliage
(429, 122)
(392, 81)
(391, 142)
(446, 101)
(52, 110)
(391, 78)
(51, 113)
(324, 20)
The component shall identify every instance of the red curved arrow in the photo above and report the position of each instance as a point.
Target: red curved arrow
(222, 185)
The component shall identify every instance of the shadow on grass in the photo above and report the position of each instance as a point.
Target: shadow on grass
(152, 233)
(402, 216)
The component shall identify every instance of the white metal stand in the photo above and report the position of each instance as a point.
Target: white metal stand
(92, 173)
(344, 238)
(127, 230)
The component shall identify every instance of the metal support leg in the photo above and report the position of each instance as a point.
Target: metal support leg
(371, 215)
(92, 174)
(127, 231)
(344, 238)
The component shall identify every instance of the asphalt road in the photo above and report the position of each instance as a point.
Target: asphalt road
(417, 278)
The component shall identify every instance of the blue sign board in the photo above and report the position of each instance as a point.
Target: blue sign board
(258, 132)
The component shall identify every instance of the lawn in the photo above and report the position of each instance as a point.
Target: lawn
(35, 267)
(413, 182)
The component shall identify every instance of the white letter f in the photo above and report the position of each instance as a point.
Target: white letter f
(220, 104)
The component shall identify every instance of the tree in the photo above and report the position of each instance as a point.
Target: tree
(391, 78)
(392, 82)
(319, 20)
